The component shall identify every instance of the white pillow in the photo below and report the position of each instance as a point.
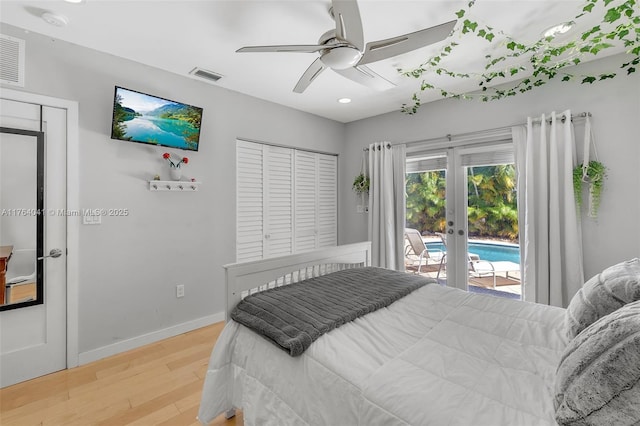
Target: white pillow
(598, 378)
(602, 294)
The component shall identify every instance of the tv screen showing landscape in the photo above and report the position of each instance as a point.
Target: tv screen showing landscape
(138, 117)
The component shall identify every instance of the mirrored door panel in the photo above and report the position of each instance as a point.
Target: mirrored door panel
(21, 217)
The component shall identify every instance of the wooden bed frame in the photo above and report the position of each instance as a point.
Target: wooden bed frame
(246, 278)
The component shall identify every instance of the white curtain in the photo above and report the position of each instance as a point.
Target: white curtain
(387, 204)
(550, 236)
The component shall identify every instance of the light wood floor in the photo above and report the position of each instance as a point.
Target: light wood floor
(158, 384)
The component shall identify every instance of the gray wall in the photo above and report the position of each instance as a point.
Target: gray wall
(129, 266)
(615, 104)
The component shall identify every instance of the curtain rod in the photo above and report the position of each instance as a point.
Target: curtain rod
(449, 137)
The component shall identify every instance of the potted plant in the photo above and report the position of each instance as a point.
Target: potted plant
(595, 175)
(361, 184)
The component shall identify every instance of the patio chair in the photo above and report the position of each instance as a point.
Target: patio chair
(472, 257)
(417, 246)
(485, 268)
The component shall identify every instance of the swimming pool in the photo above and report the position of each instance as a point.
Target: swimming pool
(488, 251)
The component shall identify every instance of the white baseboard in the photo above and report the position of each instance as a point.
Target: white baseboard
(145, 339)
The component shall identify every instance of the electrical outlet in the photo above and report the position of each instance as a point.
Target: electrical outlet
(180, 290)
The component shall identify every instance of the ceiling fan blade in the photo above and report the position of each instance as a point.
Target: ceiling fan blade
(309, 75)
(302, 48)
(383, 49)
(348, 22)
(366, 76)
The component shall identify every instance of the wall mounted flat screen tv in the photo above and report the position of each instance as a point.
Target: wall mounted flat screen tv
(143, 118)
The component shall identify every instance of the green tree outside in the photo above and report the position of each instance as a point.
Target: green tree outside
(492, 208)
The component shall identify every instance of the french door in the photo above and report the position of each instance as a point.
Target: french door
(471, 179)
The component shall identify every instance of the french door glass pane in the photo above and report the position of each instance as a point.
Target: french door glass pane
(492, 214)
(426, 212)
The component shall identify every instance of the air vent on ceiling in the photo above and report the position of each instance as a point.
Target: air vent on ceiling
(205, 74)
(11, 60)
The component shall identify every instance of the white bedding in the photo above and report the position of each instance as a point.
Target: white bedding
(439, 356)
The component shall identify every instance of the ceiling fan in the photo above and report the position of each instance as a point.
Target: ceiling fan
(343, 49)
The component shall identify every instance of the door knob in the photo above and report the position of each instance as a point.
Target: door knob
(53, 253)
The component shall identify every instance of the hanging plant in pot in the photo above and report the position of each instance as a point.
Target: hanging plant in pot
(595, 175)
(361, 184)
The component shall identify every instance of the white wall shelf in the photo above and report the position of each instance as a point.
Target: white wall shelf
(173, 185)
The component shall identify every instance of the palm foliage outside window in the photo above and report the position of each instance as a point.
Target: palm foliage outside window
(492, 205)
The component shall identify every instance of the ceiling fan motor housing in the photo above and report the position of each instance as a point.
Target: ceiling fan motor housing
(340, 58)
(339, 54)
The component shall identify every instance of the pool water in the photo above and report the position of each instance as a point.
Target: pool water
(488, 251)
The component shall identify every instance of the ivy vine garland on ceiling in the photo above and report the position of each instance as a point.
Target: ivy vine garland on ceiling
(620, 24)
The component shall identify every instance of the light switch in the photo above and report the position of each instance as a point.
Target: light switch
(91, 220)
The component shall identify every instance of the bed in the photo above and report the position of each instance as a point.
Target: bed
(437, 356)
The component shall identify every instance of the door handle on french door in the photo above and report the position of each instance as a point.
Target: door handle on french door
(53, 253)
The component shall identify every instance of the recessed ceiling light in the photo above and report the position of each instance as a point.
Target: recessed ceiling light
(74, 1)
(55, 19)
(344, 100)
(556, 30)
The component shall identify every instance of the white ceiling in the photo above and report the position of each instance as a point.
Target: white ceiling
(179, 35)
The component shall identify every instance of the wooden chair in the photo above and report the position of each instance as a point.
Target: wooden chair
(21, 271)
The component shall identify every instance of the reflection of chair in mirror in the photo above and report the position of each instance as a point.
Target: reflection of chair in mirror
(21, 276)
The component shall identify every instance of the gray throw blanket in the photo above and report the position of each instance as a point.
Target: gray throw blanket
(295, 315)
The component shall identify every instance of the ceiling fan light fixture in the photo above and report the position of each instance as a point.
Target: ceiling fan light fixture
(340, 58)
(559, 29)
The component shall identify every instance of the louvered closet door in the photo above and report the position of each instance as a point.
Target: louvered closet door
(249, 202)
(306, 208)
(278, 201)
(327, 200)
(286, 201)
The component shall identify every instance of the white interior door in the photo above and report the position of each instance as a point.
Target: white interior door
(33, 335)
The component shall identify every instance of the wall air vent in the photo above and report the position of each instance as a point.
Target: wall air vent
(205, 74)
(11, 60)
